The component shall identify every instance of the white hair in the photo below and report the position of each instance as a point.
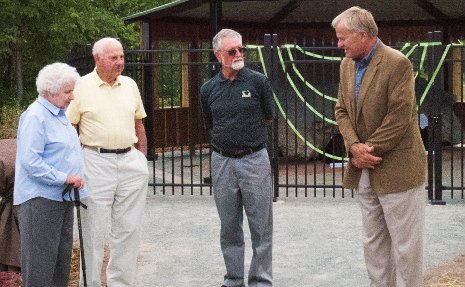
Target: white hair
(357, 20)
(52, 78)
(224, 33)
(100, 45)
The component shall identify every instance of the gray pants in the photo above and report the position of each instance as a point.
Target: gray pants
(244, 183)
(46, 228)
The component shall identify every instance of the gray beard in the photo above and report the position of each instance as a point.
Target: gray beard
(237, 65)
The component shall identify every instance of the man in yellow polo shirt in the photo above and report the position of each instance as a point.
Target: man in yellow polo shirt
(108, 113)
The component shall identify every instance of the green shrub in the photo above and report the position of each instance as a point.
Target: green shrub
(9, 118)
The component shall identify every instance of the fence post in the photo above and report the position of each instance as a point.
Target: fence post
(148, 97)
(435, 124)
(271, 65)
(216, 17)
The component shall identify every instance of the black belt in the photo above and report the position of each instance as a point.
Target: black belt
(238, 153)
(104, 150)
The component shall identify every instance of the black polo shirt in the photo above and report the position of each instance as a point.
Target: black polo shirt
(236, 111)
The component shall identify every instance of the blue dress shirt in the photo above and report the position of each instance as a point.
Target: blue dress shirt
(361, 66)
(48, 150)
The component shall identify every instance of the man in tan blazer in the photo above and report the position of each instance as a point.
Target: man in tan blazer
(377, 117)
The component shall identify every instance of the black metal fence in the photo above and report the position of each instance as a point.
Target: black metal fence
(306, 150)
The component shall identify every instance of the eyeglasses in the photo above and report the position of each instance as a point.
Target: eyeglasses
(234, 51)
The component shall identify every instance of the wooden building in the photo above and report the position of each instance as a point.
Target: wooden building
(190, 24)
(197, 20)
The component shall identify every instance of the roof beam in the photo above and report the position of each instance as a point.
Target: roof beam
(284, 12)
(165, 10)
(432, 10)
(396, 23)
(244, 0)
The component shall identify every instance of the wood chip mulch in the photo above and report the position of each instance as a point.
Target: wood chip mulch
(10, 279)
(75, 266)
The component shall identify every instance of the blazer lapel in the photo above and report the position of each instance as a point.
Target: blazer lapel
(369, 76)
(352, 109)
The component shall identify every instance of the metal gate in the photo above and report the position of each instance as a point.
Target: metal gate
(305, 81)
(306, 150)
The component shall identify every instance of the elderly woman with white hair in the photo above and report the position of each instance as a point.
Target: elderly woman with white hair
(48, 159)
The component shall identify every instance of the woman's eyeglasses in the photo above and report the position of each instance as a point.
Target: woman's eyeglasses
(234, 51)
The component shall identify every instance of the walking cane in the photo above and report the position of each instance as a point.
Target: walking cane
(78, 204)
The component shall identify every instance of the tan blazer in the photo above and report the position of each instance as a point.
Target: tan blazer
(386, 118)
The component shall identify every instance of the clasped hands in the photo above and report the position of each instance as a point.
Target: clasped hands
(363, 157)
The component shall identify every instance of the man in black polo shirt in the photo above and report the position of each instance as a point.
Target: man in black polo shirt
(237, 105)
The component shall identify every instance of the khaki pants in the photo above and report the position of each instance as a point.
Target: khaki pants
(117, 185)
(393, 226)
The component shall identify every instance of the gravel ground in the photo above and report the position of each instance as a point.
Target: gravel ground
(317, 242)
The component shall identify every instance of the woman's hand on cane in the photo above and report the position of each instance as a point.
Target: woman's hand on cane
(75, 180)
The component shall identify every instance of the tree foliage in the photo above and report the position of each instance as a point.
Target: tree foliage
(34, 33)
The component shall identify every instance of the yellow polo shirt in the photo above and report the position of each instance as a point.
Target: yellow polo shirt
(105, 114)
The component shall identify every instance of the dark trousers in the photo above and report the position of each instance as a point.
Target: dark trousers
(46, 228)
